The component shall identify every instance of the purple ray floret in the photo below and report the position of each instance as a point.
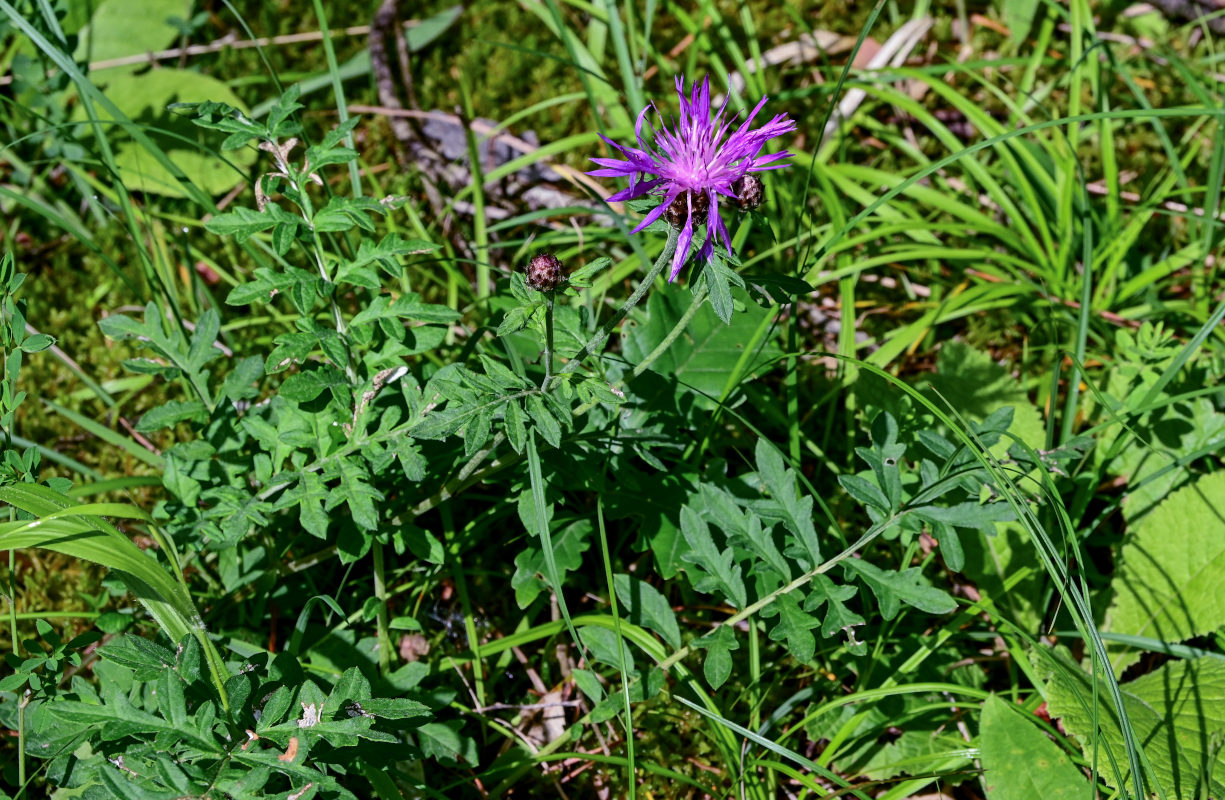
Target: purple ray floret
(699, 159)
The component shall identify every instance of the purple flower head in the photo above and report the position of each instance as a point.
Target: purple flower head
(691, 165)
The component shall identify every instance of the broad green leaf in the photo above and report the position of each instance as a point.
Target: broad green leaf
(120, 718)
(648, 608)
(992, 561)
(356, 491)
(1177, 713)
(1019, 17)
(266, 283)
(1151, 466)
(121, 28)
(976, 386)
(192, 149)
(444, 741)
(705, 356)
(606, 647)
(1021, 763)
(146, 659)
(569, 544)
(395, 708)
(406, 306)
(1168, 585)
(384, 255)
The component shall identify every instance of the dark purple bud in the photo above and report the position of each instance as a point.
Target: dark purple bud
(544, 272)
(750, 192)
(678, 211)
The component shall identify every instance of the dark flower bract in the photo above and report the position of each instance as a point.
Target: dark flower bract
(692, 164)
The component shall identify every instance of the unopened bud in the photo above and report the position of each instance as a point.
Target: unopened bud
(678, 211)
(750, 192)
(544, 272)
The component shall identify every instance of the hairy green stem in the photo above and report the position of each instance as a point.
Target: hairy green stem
(307, 210)
(548, 343)
(380, 594)
(598, 339)
(666, 343)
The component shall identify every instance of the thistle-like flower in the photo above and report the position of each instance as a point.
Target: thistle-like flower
(690, 166)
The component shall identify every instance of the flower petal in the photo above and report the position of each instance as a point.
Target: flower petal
(683, 241)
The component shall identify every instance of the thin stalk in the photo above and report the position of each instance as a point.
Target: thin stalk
(598, 339)
(380, 593)
(548, 343)
(616, 615)
(666, 343)
(342, 108)
(21, 717)
(454, 556)
(479, 234)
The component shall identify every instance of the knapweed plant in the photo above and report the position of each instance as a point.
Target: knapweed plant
(431, 488)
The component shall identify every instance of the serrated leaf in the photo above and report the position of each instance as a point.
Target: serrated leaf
(306, 386)
(395, 708)
(516, 425)
(385, 255)
(545, 422)
(358, 494)
(894, 588)
(606, 647)
(796, 511)
(718, 645)
(238, 384)
(172, 413)
(864, 491)
(408, 307)
(794, 627)
(515, 320)
(717, 569)
(1177, 713)
(344, 213)
(443, 740)
(242, 223)
(1173, 565)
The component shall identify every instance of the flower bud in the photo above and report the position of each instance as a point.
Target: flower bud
(750, 192)
(544, 272)
(678, 211)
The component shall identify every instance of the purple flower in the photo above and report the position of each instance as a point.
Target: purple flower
(691, 165)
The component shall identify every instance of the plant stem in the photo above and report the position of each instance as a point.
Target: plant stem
(548, 343)
(673, 335)
(380, 593)
(616, 615)
(307, 210)
(598, 339)
(21, 709)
